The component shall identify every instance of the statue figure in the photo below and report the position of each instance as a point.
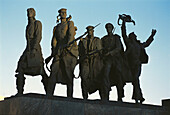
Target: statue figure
(136, 56)
(64, 58)
(91, 63)
(31, 62)
(112, 49)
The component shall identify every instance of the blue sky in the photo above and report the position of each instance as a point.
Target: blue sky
(148, 14)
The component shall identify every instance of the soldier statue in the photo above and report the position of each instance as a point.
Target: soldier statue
(91, 63)
(136, 56)
(64, 58)
(31, 62)
(112, 49)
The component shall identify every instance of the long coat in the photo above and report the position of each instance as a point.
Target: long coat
(64, 58)
(135, 53)
(90, 67)
(32, 65)
(113, 45)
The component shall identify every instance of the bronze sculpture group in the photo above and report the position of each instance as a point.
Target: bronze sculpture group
(103, 63)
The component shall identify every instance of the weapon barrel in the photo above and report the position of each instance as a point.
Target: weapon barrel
(79, 37)
(89, 54)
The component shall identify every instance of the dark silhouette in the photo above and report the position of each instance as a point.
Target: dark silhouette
(64, 58)
(126, 18)
(91, 63)
(136, 56)
(31, 61)
(112, 49)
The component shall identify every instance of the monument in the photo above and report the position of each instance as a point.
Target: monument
(102, 65)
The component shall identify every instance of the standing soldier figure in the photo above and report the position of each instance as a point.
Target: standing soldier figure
(136, 56)
(112, 49)
(90, 65)
(31, 62)
(65, 58)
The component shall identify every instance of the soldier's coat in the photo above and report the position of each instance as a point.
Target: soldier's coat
(90, 68)
(64, 58)
(33, 37)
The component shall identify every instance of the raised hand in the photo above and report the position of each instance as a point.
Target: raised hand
(153, 32)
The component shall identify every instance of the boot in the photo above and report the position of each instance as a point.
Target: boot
(142, 100)
(20, 82)
(70, 91)
(45, 83)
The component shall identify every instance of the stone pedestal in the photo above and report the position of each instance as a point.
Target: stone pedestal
(166, 102)
(36, 104)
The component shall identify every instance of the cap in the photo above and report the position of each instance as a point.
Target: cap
(89, 27)
(62, 9)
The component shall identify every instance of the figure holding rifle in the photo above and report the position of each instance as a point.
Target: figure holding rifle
(90, 62)
(112, 58)
(64, 58)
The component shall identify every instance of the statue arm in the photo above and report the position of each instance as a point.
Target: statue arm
(71, 31)
(37, 34)
(80, 46)
(103, 45)
(150, 39)
(53, 42)
(99, 45)
(124, 35)
(118, 46)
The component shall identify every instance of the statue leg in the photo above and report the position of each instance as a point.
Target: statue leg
(120, 92)
(69, 66)
(119, 86)
(137, 92)
(70, 90)
(105, 88)
(20, 82)
(84, 89)
(52, 78)
(44, 79)
(84, 69)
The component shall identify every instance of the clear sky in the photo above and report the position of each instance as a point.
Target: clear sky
(148, 14)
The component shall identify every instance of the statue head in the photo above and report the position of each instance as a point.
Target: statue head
(62, 13)
(90, 30)
(31, 12)
(109, 27)
(132, 36)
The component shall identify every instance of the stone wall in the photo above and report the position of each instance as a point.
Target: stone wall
(36, 104)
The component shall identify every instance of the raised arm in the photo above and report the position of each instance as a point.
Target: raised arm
(125, 38)
(150, 39)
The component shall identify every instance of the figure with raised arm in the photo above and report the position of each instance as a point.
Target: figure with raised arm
(136, 56)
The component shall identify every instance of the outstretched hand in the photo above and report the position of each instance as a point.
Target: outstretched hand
(153, 32)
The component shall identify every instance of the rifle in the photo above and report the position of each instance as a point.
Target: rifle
(47, 60)
(89, 54)
(67, 45)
